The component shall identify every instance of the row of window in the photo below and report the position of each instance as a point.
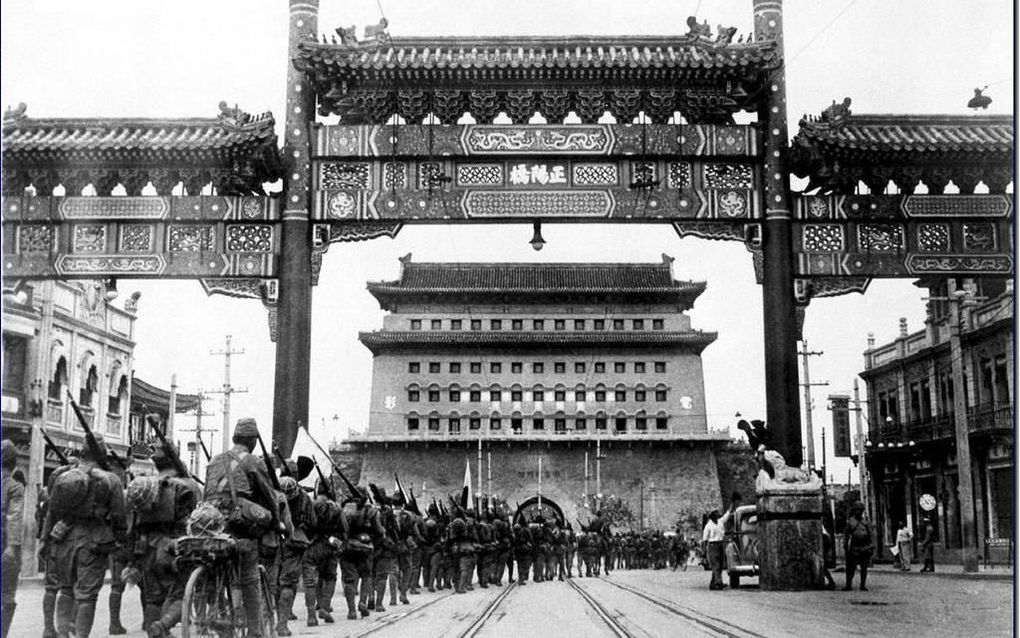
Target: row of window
(537, 367)
(475, 396)
(539, 324)
(620, 424)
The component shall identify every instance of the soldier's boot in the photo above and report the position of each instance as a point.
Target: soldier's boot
(116, 629)
(393, 580)
(150, 614)
(49, 606)
(310, 602)
(84, 619)
(283, 608)
(351, 597)
(327, 587)
(379, 595)
(366, 601)
(6, 614)
(65, 615)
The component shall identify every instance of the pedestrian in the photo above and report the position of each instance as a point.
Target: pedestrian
(858, 546)
(904, 538)
(13, 508)
(713, 539)
(928, 545)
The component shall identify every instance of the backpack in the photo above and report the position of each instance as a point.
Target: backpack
(70, 493)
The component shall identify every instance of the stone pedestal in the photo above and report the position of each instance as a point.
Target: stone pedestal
(790, 537)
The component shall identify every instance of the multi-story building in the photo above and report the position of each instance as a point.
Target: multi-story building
(67, 337)
(911, 447)
(542, 361)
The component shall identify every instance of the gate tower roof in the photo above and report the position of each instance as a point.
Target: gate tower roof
(837, 149)
(535, 281)
(233, 141)
(383, 340)
(705, 79)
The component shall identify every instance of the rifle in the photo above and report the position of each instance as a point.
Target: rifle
(279, 457)
(53, 446)
(205, 450)
(350, 486)
(170, 450)
(90, 438)
(269, 466)
(329, 484)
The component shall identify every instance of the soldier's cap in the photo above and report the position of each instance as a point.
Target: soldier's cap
(246, 429)
(86, 450)
(289, 487)
(8, 452)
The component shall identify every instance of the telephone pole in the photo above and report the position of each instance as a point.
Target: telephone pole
(965, 487)
(198, 430)
(805, 354)
(227, 389)
(862, 469)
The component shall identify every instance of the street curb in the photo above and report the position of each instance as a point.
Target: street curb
(959, 576)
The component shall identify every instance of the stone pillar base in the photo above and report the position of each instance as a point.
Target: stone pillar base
(790, 538)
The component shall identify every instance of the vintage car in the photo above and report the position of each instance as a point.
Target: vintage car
(742, 545)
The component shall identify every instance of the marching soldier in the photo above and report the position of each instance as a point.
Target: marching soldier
(384, 563)
(361, 525)
(320, 562)
(302, 516)
(523, 546)
(463, 547)
(119, 560)
(13, 507)
(485, 550)
(236, 480)
(502, 534)
(570, 549)
(408, 540)
(85, 520)
(160, 506)
(539, 548)
(432, 548)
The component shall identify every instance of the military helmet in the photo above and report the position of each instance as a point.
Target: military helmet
(8, 452)
(289, 486)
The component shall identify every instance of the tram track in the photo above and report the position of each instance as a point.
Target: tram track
(614, 625)
(716, 625)
(487, 613)
(392, 619)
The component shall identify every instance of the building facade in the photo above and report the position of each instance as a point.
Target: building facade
(565, 378)
(911, 446)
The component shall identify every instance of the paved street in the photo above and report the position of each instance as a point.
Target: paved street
(657, 603)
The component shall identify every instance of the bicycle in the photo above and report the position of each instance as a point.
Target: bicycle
(212, 606)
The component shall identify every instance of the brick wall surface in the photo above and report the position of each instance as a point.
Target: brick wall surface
(675, 478)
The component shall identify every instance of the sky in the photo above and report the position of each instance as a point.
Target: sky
(151, 58)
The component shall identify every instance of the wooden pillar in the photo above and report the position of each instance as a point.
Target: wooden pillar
(294, 308)
(780, 314)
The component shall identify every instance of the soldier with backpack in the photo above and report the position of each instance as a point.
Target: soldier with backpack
(360, 524)
(84, 523)
(159, 506)
(13, 508)
(320, 562)
(237, 483)
(302, 515)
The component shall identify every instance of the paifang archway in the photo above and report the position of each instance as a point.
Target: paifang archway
(366, 176)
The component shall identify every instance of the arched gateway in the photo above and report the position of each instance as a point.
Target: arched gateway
(536, 506)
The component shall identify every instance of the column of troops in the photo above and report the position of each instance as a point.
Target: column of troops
(93, 524)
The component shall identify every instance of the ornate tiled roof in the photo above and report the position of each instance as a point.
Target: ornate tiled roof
(837, 147)
(551, 54)
(532, 279)
(234, 141)
(705, 78)
(696, 341)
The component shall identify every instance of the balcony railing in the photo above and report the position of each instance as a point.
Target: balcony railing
(990, 417)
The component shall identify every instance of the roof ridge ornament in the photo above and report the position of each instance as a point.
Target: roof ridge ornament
(832, 118)
(16, 113)
(235, 117)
